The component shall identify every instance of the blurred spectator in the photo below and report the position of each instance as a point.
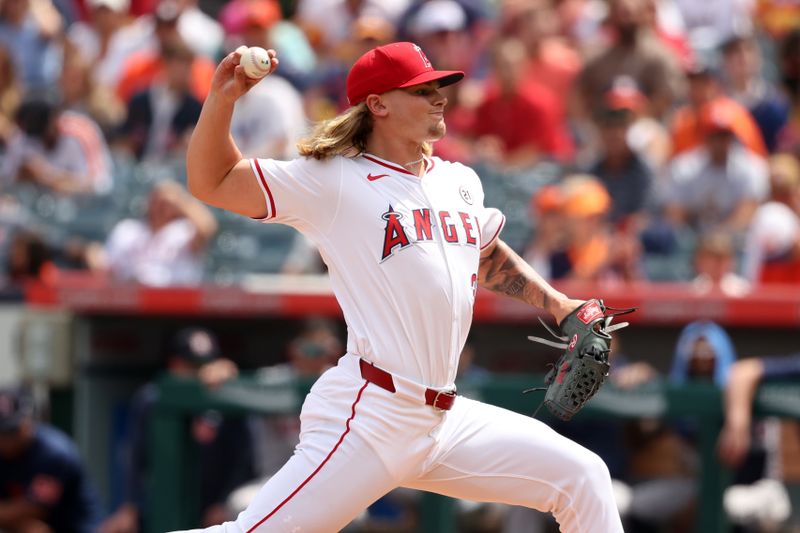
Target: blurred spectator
(441, 28)
(711, 23)
(663, 463)
(705, 93)
(789, 64)
(772, 245)
(10, 97)
(43, 484)
(29, 30)
(201, 32)
(519, 121)
(552, 60)
(719, 183)
(167, 247)
(763, 505)
(637, 53)
(254, 22)
(109, 38)
(29, 258)
(591, 252)
(547, 214)
(161, 118)
(715, 265)
(704, 352)
(269, 118)
(224, 446)
(329, 23)
(61, 150)
(747, 85)
(740, 391)
(82, 94)
(142, 68)
(625, 176)
(646, 136)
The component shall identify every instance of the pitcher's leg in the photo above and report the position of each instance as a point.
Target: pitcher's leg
(490, 454)
(332, 477)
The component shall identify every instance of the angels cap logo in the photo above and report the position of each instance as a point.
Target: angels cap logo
(425, 60)
(465, 194)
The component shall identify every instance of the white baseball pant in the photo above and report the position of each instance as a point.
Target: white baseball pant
(359, 441)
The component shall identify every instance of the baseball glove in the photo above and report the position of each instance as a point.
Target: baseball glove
(582, 368)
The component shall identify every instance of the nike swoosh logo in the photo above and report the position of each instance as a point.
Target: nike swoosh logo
(370, 177)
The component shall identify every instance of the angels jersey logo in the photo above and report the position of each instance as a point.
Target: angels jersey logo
(397, 237)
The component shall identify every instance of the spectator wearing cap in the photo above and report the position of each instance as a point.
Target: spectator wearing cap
(742, 70)
(166, 248)
(441, 28)
(718, 184)
(161, 118)
(637, 53)
(109, 38)
(44, 486)
(519, 120)
(705, 92)
(329, 23)
(547, 219)
(61, 150)
(30, 31)
(591, 252)
(626, 177)
(269, 119)
(141, 69)
(224, 445)
(772, 244)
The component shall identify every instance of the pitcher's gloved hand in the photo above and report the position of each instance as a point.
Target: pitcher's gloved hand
(582, 368)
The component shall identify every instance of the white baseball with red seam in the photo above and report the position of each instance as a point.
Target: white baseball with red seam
(255, 61)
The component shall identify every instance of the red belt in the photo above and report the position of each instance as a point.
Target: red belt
(439, 399)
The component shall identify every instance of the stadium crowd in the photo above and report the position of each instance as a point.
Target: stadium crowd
(625, 139)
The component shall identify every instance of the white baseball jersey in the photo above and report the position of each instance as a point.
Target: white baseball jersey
(402, 252)
(403, 255)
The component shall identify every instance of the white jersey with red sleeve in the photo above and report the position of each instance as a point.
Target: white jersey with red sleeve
(402, 252)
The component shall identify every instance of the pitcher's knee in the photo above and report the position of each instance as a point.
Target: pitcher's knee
(591, 479)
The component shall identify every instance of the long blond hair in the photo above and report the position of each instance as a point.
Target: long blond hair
(345, 134)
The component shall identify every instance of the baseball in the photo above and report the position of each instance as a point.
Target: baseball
(255, 61)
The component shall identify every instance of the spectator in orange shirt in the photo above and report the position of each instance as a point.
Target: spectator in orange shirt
(704, 91)
(141, 69)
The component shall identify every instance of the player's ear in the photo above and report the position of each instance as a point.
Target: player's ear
(376, 105)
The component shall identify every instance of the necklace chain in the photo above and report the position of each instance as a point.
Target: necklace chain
(410, 163)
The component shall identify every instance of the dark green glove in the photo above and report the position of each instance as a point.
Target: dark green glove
(582, 368)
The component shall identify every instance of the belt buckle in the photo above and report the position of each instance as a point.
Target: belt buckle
(450, 393)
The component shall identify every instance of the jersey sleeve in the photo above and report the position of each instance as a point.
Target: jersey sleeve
(303, 193)
(490, 219)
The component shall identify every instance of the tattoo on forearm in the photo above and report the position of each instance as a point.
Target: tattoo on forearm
(506, 273)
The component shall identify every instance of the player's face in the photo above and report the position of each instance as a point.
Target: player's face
(418, 111)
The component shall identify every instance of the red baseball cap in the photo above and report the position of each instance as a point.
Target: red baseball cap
(393, 66)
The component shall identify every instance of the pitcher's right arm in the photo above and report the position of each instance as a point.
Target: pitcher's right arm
(217, 173)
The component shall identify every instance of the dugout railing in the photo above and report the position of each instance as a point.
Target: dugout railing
(174, 499)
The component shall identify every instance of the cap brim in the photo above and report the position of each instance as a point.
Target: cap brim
(444, 77)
